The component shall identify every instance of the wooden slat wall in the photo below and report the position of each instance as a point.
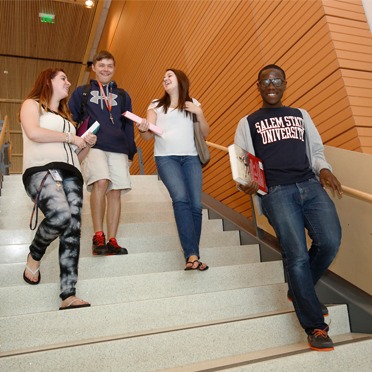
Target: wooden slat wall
(352, 41)
(325, 46)
(24, 35)
(28, 46)
(26, 72)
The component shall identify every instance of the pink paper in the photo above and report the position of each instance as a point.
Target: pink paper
(137, 119)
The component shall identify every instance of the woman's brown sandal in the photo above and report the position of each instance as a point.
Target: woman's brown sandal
(196, 265)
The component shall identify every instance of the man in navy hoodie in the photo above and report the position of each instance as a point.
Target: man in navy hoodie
(106, 167)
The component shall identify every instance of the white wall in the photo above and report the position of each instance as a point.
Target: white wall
(354, 260)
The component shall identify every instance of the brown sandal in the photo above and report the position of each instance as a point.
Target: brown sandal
(202, 266)
(190, 265)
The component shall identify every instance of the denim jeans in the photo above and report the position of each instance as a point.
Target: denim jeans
(182, 176)
(290, 209)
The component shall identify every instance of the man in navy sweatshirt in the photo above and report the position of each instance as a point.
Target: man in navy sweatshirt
(106, 167)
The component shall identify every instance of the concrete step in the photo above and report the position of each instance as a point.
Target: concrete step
(153, 188)
(147, 313)
(132, 264)
(135, 244)
(148, 316)
(16, 250)
(120, 289)
(159, 194)
(124, 230)
(21, 219)
(13, 209)
(18, 197)
(143, 184)
(143, 181)
(136, 180)
(130, 229)
(353, 351)
(180, 347)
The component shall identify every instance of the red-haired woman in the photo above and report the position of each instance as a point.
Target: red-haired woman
(177, 160)
(52, 179)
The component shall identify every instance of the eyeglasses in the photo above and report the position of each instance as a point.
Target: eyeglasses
(277, 82)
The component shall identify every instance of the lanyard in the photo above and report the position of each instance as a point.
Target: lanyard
(35, 209)
(107, 102)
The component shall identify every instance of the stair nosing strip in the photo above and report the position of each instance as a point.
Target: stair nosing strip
(273, 357)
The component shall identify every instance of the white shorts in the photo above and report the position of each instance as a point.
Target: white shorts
(112, 166)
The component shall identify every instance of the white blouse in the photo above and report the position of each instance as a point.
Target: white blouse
(178, 132)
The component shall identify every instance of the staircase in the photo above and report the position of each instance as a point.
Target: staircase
(147, 313)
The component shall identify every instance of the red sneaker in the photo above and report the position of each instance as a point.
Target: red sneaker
(113, 248)
(99, 244)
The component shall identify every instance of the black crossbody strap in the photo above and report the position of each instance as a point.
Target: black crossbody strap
(35, 209)
(83, 107)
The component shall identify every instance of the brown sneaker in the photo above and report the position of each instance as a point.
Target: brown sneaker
(99, 244)
(319, 340)
(113, 248)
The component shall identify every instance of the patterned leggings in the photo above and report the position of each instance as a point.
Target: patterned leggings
(61, 206)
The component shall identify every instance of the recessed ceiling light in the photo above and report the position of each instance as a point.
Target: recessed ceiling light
(89, 3)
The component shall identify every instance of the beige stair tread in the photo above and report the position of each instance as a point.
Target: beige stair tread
(167, 349)
(278, 358)
(131, 264)
(103, 291)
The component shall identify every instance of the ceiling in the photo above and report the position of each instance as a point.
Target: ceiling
(28, 46)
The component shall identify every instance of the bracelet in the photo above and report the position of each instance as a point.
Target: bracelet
(70, 139)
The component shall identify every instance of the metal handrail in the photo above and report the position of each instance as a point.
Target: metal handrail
(347, 190)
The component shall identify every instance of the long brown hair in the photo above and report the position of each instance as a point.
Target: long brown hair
(183, 92)
(43, 91)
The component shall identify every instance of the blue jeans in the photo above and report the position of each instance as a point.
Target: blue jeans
(290, 209)
(182, 176)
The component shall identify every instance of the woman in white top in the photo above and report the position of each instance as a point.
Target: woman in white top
(52, 179)
(177, 160)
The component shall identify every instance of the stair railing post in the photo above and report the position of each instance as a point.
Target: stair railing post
(259, 232)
